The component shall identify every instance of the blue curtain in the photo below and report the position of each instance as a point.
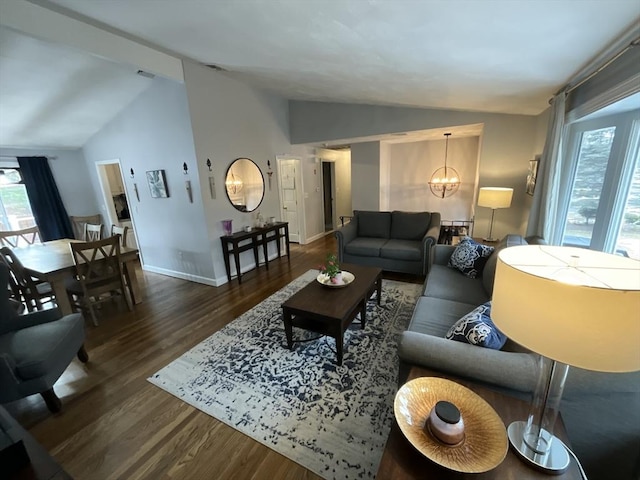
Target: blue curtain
(46, 204)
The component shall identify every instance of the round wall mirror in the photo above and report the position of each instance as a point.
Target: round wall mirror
(244, 185)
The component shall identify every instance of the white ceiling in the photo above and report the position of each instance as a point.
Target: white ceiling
(506, 56)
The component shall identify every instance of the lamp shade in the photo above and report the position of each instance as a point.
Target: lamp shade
(576, 306)
(495, 197)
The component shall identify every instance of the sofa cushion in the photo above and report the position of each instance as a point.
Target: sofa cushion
(409, 225)
(447, 283)
(469, 257)
(477, 328)
(402, 250)
(365, 247)
(373, 224)
(434, 316)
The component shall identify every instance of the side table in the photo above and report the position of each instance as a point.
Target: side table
(401, 461)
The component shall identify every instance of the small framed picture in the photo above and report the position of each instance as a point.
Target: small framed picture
(532, 175)
(157, 183)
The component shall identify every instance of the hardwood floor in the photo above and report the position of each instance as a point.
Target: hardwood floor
(116, 425)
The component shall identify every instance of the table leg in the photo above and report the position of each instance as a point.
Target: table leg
(363, 313)
(286, 238)
(60, 291)
(379, 288)
(227, 263)
(132, 281)
(236, 257)
(265, 249)
(339, 336)
(288, 327)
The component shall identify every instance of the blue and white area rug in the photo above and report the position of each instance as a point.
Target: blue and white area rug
(332, 420)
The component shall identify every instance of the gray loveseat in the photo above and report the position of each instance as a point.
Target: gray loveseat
(600, 410)
(394, 241)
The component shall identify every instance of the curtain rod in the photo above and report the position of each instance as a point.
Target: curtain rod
(627, 41)
(15, 157)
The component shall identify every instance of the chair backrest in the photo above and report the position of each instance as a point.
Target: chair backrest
(21, 282)
(122, 231)
(98, 265)
(92, 232)
(15, 238)
(78, 223)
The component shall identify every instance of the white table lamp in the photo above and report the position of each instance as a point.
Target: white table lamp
(493, 198)
(575, 307)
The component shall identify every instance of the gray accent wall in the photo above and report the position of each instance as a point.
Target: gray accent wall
(507, 144)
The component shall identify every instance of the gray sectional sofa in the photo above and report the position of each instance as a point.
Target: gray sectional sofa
(601, 411)
(393, 241)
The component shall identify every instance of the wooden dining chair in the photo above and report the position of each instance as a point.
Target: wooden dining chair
(92, 232)
(122, 231)
(26, 236)
(33, 291)
(78, 223)
(98, 275)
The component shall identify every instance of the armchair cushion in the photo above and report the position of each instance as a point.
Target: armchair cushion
(35, 349)
(409, 225)
(365, 246)
(402, 250)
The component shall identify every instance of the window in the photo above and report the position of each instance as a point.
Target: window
(15, 209)
(602, 203)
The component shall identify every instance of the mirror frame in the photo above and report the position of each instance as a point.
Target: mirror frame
(227, 190)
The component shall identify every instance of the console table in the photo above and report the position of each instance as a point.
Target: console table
(242, 241)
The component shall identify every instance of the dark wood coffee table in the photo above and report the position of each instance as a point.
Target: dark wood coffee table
(330, 311)
(401, 461)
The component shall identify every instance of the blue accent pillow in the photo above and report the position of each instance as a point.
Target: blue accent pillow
(470, 257)
(477, 328)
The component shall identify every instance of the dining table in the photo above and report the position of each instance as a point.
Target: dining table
(53, 261)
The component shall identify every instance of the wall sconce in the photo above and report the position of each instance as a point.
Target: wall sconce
(445, 180)
(131, 174)
(185, 168)
(187, 185)
(269, 173)
(209, 164)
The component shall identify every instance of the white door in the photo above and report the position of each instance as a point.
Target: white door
(290, 179)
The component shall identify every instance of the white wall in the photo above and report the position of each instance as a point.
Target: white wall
(412, 166)
(154, 133)
(232, 120)
(507, 144)
(70, 173)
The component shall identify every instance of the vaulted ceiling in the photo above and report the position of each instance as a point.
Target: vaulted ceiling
(491, 55)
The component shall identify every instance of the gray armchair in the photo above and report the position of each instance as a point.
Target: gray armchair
(35, 349)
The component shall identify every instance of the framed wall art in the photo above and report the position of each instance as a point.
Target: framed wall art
(532, 175)
(157, 183)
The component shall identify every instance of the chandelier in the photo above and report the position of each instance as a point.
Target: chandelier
(445, 180)
(233, 183)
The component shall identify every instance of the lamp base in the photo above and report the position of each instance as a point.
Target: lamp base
(554, 462)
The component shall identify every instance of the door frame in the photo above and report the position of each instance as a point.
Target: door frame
(302, 233)
(103, 180)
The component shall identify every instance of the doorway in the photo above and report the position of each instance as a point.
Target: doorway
(291, 204)
(116, 202)
(328, 191)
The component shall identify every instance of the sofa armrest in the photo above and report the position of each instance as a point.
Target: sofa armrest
(442, 254)
(344, 235)
(7, 376)
(517, 371)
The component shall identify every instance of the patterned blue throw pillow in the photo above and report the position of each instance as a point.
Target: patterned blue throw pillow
(477, 328)
(469, 257)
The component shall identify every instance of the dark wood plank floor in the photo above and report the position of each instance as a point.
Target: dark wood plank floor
(116, 425)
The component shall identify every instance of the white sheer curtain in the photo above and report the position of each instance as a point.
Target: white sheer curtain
(543, 216)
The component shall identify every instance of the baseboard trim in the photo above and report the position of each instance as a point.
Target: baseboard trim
(184, 276)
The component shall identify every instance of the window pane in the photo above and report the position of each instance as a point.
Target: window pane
(15, 210)
(628, 242)
(593, 157)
